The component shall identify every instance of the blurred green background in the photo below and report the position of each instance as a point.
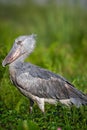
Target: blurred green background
(61, 28)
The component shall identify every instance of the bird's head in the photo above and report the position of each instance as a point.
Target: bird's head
(22, 47)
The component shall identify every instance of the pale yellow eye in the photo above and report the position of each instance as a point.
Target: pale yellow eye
(19, 43)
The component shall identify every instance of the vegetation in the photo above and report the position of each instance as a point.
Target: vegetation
(61, 48)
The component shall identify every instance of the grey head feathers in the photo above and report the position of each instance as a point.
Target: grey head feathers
(22, 47)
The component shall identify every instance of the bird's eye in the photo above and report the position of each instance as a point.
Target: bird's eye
(19, 42)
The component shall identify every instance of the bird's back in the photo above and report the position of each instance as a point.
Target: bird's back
(45, 84)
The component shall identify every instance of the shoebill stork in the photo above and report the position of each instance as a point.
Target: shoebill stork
(38, 84)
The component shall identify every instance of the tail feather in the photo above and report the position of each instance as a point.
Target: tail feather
(78, 102)
(75, 96)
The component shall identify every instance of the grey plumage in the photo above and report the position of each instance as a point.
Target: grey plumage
(39, 85)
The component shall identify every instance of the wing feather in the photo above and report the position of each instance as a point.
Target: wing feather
(45, 84)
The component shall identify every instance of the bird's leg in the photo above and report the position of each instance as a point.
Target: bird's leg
(31, 105)
(40, 102)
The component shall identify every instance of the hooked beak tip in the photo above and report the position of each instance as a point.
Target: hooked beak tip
(3, 63)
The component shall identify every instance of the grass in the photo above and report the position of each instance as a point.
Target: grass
(61, 48)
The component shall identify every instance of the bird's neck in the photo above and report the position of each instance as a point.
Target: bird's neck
(14, 68)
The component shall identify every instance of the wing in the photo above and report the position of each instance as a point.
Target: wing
(45, 84)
